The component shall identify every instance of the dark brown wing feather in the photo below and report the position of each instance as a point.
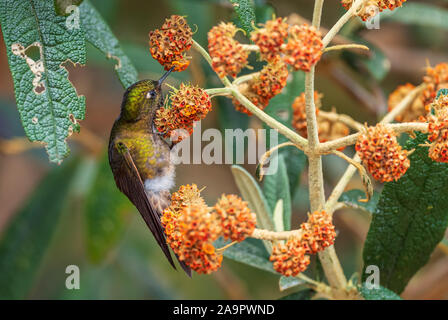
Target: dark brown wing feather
(130, 183)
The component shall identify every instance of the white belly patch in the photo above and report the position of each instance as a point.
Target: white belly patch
(162, 183)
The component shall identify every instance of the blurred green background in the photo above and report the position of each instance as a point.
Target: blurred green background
(54, 216)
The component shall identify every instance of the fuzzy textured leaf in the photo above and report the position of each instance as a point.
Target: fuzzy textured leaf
(246, 14)
(106, 212)
(250, 252)
(48, 104)
(251, 192)
(99, 34)
(352, 197)
(276, 187)
(410, 219)
(378, 294)
(280, 109)
(286, 283)
(27, 238)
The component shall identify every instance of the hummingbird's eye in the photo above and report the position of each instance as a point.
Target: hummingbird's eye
(151, 94)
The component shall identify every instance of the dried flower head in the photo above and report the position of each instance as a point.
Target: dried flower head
(260, 90)
(270, 38)
(187, 105)
(236, 219)
(190, 230)
(169, 44)
(290, 259)
(438, 130)
(371, 7)
(327, 130)
(415, 112)
(318, 232)
(381, 154)
(228, 55)
(435, 79)
(304, 47)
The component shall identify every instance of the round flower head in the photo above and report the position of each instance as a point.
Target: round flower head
(228, 55)
(236, 219)
(318, 232)
(270, 38)
(289, 259)
(390, 4)
(270, 82)
(381, 154)
(169, 44)
(304, 47)
(435, 79)
(190, 232)
(415, 112)
(327, 130)
(438, 130)
(187, 105)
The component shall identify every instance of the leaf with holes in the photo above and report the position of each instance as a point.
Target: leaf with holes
(48, 104)
(99, 34)
(409, 220)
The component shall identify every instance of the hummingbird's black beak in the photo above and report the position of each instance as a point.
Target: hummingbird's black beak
(160, 82)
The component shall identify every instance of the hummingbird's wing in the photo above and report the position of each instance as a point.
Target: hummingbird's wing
(129, 181)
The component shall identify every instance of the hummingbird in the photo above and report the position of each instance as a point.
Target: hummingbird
(140, 158)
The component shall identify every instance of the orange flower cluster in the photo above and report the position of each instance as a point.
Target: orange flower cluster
(289, 259)
(169, 44)
(414, 112)
(269, 83)
(191, 229)
(435, 79)
(270, 38)
(438, 130)
(292, 258)
(328, 130)
(381, 154)
(371, 7)
(236, 219)
(319, 232)
(304, 47)
(191, 226)
(188, 104)
(228, 55)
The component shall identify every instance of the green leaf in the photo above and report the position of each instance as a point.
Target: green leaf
(377, 65)
(107, 211)
(286, 283)
(61, 6)
(305, 294)
(420, 14)
(251, 193)
(250, 252)
(409, 220)
(246, 14)
(48, 104)
(378, 294)
(352, 197)
(280, 109)
(99, 34)
(29, 234)
(276, 187)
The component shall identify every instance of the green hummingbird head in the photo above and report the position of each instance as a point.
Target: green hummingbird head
(142, 99)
